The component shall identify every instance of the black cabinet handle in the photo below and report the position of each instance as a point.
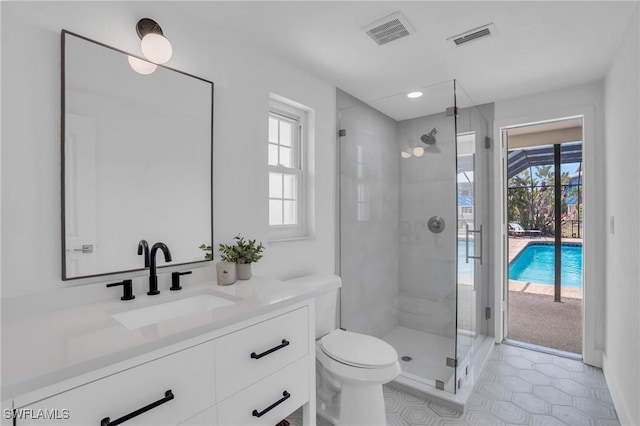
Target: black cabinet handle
(285, 395)
(168, 396)
(285, 342)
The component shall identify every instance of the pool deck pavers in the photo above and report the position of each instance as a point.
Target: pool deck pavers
(534, 317)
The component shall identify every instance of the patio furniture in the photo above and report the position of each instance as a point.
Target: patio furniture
(516, 230)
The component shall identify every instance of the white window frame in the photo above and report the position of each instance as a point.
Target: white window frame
(289, 111)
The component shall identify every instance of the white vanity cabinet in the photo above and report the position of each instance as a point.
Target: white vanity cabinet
(187, 374)
(262, 371)
(254, 373)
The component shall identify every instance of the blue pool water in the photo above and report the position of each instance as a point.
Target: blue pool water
(535, 264)
(463, 267)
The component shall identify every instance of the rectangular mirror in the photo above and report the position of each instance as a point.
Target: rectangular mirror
(136, 161)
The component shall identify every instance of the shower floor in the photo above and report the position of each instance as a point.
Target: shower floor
(428, 352)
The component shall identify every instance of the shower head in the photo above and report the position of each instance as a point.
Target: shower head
(429, 138)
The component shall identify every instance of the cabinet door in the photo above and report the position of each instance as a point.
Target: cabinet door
(270, 400)
(188, 374)
(248, 355)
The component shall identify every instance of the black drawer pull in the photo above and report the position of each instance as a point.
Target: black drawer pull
(285, 395)
(168, 396)
(285, 342)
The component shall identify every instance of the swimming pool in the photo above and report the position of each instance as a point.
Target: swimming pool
(535, 264)
(464, 268)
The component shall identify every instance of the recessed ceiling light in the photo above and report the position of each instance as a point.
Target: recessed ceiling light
(414, 95)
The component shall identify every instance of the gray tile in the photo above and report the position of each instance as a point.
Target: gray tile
(539, 357)
(493, 391)
(518, 386)
(553, 371)
(510, 413)
(417, 415)
(540, 420)
(531, 403)
(590, 379)
(572, 415)
(595, 408)
(553, 395)
(570, 364)
(603, 395)
(482, 418)
(519, 362)
(535, 377)
(571, 387)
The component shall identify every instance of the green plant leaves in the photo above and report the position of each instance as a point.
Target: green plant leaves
(243, 251)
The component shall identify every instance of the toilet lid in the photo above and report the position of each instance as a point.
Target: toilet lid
(358, 349)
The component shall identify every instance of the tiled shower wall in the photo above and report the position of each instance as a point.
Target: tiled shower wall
(427, 291)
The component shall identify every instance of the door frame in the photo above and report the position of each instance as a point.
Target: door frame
(593, 265)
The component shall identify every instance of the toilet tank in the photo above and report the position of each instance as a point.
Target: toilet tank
(326, 300)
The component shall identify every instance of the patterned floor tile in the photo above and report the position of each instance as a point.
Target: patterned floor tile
(518, 386)
(552, 395)
(531, 403)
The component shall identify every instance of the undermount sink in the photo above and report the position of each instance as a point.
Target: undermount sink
(142, 317)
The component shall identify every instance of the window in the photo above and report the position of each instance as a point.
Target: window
(286, 142)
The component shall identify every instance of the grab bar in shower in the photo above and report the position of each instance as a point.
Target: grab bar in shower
(475, 231)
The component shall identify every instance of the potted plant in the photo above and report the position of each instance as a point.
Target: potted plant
(208, 251)
(243, 253)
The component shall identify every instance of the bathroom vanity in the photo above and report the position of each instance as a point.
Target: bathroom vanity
(237, 355)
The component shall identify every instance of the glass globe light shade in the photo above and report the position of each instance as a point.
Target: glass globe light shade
(418, 151)
(156, 48)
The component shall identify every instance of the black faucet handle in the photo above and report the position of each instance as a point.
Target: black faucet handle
(143, 248)
(127, 286)
(175, 280)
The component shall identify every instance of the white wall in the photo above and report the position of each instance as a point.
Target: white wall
(243, 74)
(587, 100)
(622, 344)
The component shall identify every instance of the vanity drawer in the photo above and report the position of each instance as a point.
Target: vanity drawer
(248, 355)
(294, 380)
(188, 374)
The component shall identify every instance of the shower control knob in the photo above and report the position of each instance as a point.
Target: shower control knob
(436, 224)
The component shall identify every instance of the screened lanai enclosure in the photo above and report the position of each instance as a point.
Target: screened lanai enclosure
(412, 255)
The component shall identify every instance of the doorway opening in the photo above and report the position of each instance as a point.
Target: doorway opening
(544, 206)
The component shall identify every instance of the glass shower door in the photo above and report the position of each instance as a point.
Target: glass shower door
(471, 132)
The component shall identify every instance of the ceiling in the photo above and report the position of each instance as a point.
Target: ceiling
(539, 45)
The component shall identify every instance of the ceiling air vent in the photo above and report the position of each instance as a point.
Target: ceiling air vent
(474, 34)
(389, 28)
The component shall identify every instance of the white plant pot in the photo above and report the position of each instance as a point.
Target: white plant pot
(226, 273)
(244, 271)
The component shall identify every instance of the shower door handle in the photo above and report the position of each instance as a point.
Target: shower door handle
(478, 232)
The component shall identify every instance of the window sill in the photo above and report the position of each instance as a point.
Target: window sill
(290, 239)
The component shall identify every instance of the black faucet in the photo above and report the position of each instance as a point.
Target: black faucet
(144, 246)
(153, 278)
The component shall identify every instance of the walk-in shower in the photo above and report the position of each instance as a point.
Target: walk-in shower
(411, 212)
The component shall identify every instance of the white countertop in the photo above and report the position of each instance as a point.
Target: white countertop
(55, 346)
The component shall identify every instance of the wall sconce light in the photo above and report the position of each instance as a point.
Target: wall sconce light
(418, 151)
(155, 46)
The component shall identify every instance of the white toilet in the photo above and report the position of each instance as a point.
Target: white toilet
(350, 367)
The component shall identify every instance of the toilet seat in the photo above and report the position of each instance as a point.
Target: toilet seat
(358, 350)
